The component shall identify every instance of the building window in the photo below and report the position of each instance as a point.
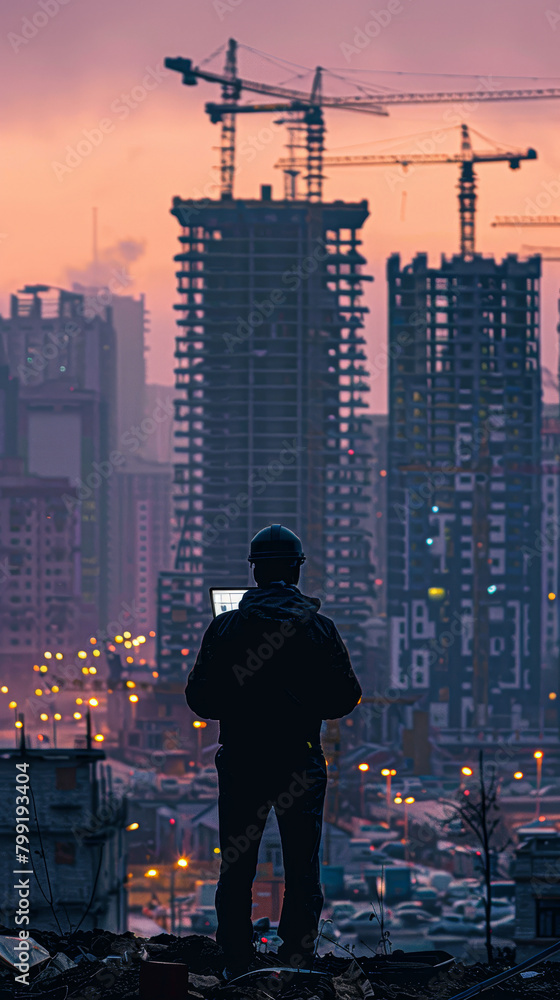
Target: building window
(548, 918)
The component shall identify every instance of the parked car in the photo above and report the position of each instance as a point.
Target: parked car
(504, 926)
(169, 786)
(395, 850)
(341, 910)
(473, 909)
(266, 936)
(428, 897)
(460, 888)
(204, 920)
(363, 922)
(377, 833)
(356, 887)
(411, 913)
(455, 924)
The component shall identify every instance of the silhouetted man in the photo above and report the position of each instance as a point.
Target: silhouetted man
(271, 671)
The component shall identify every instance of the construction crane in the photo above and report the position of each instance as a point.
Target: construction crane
(309, 107)
(536, 221)
(467, 157)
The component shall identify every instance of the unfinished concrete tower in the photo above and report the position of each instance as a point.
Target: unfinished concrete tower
(270, 409)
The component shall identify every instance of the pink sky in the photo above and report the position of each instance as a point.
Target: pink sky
(71, 72)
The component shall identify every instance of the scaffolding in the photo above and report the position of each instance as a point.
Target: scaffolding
(270, 422)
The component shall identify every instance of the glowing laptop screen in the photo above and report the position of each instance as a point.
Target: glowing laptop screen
(226, 599)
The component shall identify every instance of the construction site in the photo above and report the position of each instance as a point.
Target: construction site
(272, 421)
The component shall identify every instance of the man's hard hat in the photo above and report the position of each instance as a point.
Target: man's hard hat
(276, 542)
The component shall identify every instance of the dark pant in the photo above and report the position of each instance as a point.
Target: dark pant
(294, 782)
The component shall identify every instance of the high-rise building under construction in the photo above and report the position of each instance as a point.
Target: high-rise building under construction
(270, 427)
(464, 490)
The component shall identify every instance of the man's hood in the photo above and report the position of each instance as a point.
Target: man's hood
(278, 602)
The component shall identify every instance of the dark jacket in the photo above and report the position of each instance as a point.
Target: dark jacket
(272, 670)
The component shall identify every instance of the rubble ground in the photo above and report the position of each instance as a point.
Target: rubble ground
(108, 965)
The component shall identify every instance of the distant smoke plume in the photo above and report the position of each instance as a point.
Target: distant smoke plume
(111, 268)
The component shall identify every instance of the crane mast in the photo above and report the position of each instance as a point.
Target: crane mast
(307, 109)
(467, 157)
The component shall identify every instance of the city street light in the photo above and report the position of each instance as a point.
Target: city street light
(466, 772)
(56, 718)
(538, 755)
(199, 725)
(363, 769)
(181, 863)
(518, 775)
(388, 773)
(408, 801)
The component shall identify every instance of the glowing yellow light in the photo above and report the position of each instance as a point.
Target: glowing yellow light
(217, 850)
(44, 717)
(59, 656)
(363, 767)
(79, 701)
(467, 771)
(43, 669)
(118, 638)
(92, 670)
(197, 724)
(77, 715)
(151, 873)
(133, 698)
(55, 689)
(13, 704)
(127, 644)
(57, 716)
(130, 684)
(130, 659)
(99, 738)
(18, 725)
(82, 654)
(127, 635)
(397, 799)
(47, 655)
(97, 652)
(4, 689)
(385, 772)
(436, 593)
(155, 673)
(409, 800)
(518, 775)
(552, 695)
(133, 826)
(93, 640)
(552, 597)
(38, 692)
(93, 702)
(183, 862)
(538, 755)
(141, 638)
(85, 670)
(135, 642)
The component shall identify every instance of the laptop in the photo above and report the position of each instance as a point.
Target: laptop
(226, 598)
